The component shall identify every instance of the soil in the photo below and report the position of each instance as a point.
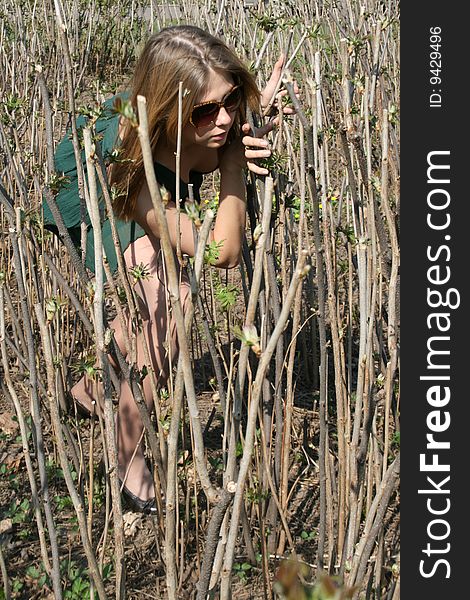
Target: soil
(144, 535)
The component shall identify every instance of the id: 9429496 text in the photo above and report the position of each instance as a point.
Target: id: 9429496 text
(435, 67)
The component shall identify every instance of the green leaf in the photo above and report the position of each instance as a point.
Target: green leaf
(212, 252)
(126, 109)
(33, 572)
(107, 569)
(226, 295)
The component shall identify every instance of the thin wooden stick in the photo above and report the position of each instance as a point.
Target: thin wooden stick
(102, 356)
(6, 201)
(300, 272)
(319, 261)
(24, 438)
(171, 488)
(173, 289)
(77, 501)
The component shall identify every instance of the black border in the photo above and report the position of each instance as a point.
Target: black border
(425, 129)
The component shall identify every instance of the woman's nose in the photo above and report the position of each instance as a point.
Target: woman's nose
(223, 117)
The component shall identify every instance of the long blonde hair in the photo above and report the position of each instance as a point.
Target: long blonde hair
(179, 53)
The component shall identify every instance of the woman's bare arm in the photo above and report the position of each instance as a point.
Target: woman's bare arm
(229, 225)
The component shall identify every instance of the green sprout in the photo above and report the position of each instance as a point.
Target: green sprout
(87, 366)
(125, 109)
(212, 252)
(140, 272)
(242, 570)
(53, 306)
(57, 182)
(92, 112)
(226, 295)
(250, 337)
(193, 212)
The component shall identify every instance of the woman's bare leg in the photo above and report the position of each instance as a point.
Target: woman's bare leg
(87, 391)
(133, 469)
(160, 334)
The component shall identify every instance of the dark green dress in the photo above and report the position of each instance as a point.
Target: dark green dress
(68, 199)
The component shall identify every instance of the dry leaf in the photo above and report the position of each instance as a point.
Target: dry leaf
(5, 526)
(132, 522)
(7, 424)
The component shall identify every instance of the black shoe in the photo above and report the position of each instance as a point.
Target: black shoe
(147, 507)
(82, 410)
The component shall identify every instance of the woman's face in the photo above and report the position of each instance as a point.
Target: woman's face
(213, 135)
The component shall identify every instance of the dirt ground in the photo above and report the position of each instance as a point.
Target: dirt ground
(144, 535)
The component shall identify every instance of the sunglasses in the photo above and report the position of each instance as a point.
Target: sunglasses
(206, 112)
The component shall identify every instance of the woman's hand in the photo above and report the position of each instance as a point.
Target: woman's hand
(253, 146)
(272, 95)
(256, 147)
(242, 153)
(271, 98)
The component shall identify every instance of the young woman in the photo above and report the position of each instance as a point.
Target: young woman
(218, 89)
